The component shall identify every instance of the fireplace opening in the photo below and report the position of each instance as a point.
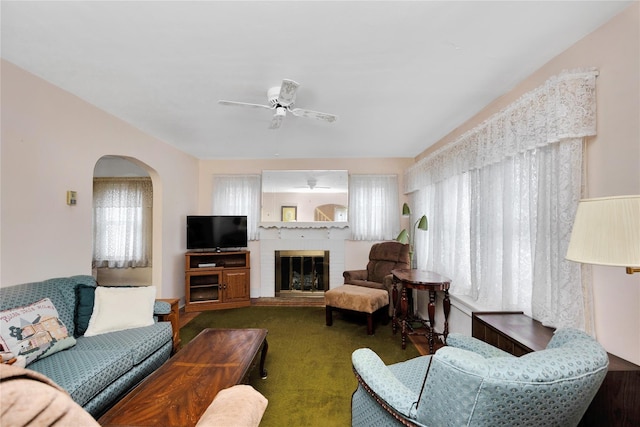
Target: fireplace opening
(301, 273)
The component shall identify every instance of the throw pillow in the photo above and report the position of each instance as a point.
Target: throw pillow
(85, 297)
(119, 308)
(34, 331)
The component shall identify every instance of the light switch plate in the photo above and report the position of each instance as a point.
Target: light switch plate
(72, 197)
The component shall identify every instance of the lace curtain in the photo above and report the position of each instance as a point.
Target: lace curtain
(122, 216)
(501, 201)
(373, 207)
(238, 195)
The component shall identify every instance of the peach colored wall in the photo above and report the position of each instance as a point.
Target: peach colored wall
(51, 141)
(357, 252)
(613, 157)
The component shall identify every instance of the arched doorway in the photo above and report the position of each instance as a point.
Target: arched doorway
(112, 273)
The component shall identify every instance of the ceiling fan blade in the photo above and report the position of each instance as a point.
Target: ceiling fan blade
(244, 104)
(288, 91)
(299, 112)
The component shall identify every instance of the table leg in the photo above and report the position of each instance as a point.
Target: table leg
(404, 306)
(432, 320)
(446, 305)
(394, 299)
(263, 356)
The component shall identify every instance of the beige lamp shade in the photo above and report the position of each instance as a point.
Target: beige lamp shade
(606, 231)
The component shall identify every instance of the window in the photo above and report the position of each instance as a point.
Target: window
(501, 201)
(374, 211)
(122, 215)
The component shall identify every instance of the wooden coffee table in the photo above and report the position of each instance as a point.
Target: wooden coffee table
(178, 393)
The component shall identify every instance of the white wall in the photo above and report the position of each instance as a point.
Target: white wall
(613, 157)
(51, 141)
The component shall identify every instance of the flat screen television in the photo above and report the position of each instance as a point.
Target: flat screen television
(216, 232)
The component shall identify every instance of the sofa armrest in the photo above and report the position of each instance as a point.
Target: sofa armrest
(240, 405)
(167, 310)
(475, 345)
(376, 377)
(161, 307)
(351, 275)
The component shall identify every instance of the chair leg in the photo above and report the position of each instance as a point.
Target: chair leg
(329, 315)
(369, 323)
(384, 312)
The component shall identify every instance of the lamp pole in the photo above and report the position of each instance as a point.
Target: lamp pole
(405, 236)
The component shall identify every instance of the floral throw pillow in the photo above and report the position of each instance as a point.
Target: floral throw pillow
(34, 331)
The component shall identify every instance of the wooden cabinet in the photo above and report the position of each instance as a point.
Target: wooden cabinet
(617, 402)
(510, 331)
(216, 280)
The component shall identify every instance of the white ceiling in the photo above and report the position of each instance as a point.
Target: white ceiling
(400, 75)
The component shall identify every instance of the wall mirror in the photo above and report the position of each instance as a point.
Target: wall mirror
(305, 195)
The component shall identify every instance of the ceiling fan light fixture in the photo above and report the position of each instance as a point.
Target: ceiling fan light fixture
(282, 98)
(312, 183)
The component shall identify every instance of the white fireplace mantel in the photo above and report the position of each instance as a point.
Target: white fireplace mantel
(295, 224)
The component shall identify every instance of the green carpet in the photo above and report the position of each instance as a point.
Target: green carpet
(310, 378)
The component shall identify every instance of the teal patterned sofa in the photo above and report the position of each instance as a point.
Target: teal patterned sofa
(471, 383)
(98, 370)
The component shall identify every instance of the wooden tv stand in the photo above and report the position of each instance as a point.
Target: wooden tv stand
(617, 402)
(216, 280)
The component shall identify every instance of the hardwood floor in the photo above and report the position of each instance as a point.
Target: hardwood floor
(421, 343)
(186, 317)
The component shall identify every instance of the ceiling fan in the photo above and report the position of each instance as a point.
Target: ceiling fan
(311, 184)
(281, 99)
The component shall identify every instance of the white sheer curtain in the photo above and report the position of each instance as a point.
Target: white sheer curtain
(238, 195)
(374, 213)
(122, 222)
(501, 201)
(446, 205)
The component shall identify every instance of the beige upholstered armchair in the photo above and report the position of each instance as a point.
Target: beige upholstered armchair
(383, 258)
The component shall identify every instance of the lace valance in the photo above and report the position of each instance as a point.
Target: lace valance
(564, 107)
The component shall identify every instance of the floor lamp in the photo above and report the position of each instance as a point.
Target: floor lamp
(405, 237)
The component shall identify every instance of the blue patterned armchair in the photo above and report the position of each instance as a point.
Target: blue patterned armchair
(471, 383)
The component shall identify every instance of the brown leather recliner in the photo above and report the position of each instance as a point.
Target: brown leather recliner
(383, 258)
